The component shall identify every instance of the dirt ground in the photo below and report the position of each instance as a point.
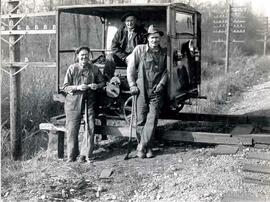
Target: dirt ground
(179, 172)
(256, 101)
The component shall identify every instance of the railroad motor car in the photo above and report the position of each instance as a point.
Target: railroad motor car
(95, 25)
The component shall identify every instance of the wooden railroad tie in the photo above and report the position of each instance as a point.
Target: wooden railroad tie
(259, 155)
(254, 180)
(241, 197)
(256, 169)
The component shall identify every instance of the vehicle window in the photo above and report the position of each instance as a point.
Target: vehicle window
(184, 23)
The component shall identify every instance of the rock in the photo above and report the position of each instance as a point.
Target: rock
(64, 193)
(43, 197)
(72, 191)
(158, 197)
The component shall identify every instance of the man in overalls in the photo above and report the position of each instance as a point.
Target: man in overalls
(147, 78)
(81, 82)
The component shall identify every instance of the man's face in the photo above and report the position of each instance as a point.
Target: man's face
(83, 57)
(130, 22)
(154, 40)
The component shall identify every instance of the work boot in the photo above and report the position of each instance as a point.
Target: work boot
(82, 159)
(140, 154)
(70, 159)
(140, 151)
(149, 153)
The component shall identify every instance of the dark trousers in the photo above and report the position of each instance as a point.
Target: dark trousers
(73, 122)
(147, 118)
(112, 61)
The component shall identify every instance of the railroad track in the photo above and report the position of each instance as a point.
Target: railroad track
(247, 130)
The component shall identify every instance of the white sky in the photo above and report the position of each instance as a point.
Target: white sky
(260, 7)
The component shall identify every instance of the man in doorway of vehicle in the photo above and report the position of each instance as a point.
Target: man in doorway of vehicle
(147, 78)
(81, 84)
(125, 40)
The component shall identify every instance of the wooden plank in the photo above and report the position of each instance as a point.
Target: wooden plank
(242, 129)
(32, 64)
(254, 180)
(266, 129)
(20, 15)
(256, 168)
(239, 119)
(225, 150)
(259, 155)
(203, 137)
(51, 127)
(19, 32)
(106, 173)
(258, 138)
(114, 131)
(261, 146)
(241, 197)
(261, 138)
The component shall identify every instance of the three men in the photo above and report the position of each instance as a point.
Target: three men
(123, 43)
(147, 78)
(81, 82)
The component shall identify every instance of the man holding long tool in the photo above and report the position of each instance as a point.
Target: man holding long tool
(81, 82)
(147, 78)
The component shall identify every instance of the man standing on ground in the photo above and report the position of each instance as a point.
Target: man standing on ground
(147, 78)
(81, 82)
(123, 43)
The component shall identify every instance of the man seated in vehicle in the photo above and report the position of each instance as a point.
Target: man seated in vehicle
(123, 43)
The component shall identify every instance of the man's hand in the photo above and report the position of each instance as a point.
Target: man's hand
(134, 90)
(93, 86)
(159, 88)
(82, 87)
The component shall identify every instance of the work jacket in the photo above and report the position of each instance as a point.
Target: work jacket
(75, 76)
(120, 41)
(145, 71)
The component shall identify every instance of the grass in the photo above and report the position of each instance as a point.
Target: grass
(221, 88)
(37, 106)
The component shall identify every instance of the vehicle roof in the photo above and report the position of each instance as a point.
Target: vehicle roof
(106, 9)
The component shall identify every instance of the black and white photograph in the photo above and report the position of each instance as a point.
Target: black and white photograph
(135, 100)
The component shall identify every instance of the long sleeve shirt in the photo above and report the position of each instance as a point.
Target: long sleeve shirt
(75, 76)
(154, 65)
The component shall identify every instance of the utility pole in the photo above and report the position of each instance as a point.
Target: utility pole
(15, 86)
(10, 28)
(265, 36)
(227, 61)
(231, 24)
(264, 31)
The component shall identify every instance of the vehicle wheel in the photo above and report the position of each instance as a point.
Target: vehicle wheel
(127, 109)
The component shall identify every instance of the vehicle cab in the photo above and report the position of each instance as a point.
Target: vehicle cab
(95, 26)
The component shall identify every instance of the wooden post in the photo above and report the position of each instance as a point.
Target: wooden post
(227, 59)
(0, 70)
(265, 36)
(61, 144)
(15, 85)
(58, 30)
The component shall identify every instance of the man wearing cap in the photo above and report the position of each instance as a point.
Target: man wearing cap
(81, 83)
(147, 78)
(123, 43)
